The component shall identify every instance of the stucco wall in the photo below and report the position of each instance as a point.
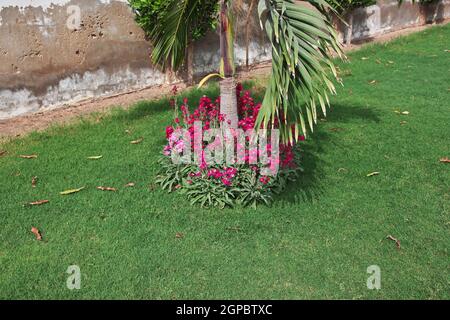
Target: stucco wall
(46, 63)
(387, 16)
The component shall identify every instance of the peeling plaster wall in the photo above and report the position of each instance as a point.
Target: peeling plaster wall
(387, 16)
(44, 64)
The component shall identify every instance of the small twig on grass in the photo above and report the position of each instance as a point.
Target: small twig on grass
(397, 242)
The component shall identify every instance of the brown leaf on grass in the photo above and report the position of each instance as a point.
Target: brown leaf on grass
(378, 61)
(373, 82)
(71, 191)
(444, 160)
(137, 141)
(365, 58)
(179, 235)
(403, 122)
(3, 152)
(31, 156)
(34, 181)
(447, 50)
(130, 184)
(37, 233)
(397, 242)
(107, 189)
(403, 113)
(38, 203)
(128, 131)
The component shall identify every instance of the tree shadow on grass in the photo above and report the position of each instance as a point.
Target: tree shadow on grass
(309, 187)
(146, 108)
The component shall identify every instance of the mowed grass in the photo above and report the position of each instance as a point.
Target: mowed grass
(315, 242)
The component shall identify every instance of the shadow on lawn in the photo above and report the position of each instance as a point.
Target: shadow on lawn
(309, 187)
(146, 108)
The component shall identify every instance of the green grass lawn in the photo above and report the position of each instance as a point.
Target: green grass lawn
(315, 242)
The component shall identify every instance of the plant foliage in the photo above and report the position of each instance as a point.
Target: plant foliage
(172, 24)
(303, 40)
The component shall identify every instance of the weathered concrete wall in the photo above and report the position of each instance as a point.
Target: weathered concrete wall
(387, 16)
(46, 63)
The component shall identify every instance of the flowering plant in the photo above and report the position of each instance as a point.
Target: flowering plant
(244, 182)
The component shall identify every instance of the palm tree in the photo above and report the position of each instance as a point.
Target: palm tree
(303, 41)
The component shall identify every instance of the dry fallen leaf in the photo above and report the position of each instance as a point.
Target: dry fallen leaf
(34, 181)
(131, 184)
(397, 242)
(378, 61)
(37, 233)
(445, 160)
(405, 113)
(373, 174)
(38, 203)
(373, 82)
(67, 192)
(31, 156)
(336, 129)
(365, 58)
(128, 131)
(179, 235)
(137, 141)
(391, 62)
(107, 189)
(403, 122)
(95, 157)
(447, 50)
(2, 153)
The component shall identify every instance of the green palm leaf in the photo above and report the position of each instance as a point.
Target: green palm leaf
(302, 39)
(171, 36)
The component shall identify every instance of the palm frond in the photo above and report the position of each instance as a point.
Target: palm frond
(170, 37)
(303, 40)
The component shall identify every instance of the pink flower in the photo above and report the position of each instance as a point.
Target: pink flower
(169, 131)
(226, 182)
(177, 120)
(264, 180)
(215, 173)
(179, 146)
(167, 150)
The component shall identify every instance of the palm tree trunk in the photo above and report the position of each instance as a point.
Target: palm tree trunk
(228, 99)
(190, 63)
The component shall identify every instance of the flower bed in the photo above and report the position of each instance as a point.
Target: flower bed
(245, 182)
